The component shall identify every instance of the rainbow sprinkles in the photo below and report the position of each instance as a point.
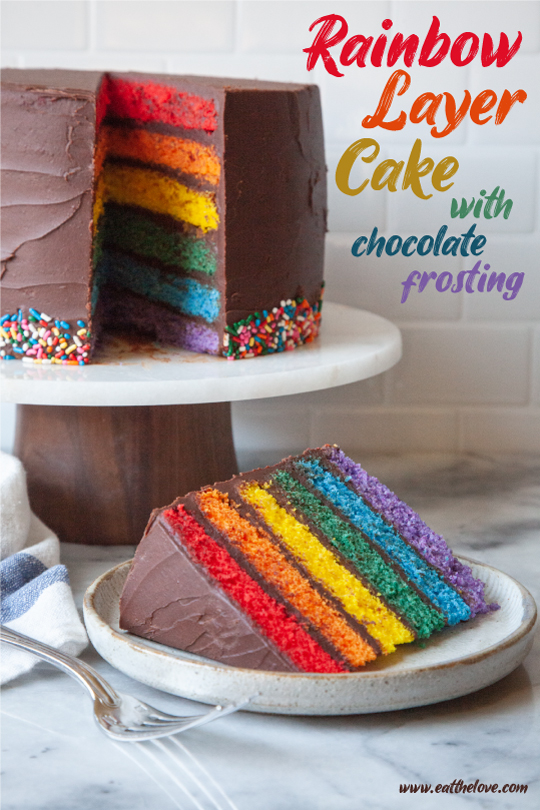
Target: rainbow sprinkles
(43, 340)
(198, 218)
(282, 329)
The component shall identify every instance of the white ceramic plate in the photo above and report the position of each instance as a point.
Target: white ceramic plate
(455, 662)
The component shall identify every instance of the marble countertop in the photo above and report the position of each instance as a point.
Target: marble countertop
(55, 758)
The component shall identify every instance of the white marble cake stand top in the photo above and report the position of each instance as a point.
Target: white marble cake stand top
(353, 345)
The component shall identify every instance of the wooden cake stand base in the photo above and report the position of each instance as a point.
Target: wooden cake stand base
(103, 445)
(135, 459)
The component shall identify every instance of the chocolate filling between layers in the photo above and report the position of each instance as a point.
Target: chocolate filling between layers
(210, 624)
(265, 476)
(203, 137)
(111, 317)
(395, 566)
(321, 456)
(249, 513)
(237, 554)
(283, 501)
(166, 269)
(271, 199)
(188, 180)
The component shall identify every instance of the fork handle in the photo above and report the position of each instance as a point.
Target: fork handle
(87, 676)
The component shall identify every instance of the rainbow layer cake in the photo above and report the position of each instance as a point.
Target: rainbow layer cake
(188, 210)
(310, 565)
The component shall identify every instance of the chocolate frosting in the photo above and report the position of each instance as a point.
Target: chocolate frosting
(271, 201)
(169, 598)
(275, 180)
(272, 195)
(47, 178)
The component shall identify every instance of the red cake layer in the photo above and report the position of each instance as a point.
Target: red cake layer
(271, 617)
(251, 285)
(149, 101)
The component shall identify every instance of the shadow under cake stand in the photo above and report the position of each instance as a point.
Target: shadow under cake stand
(105, 444)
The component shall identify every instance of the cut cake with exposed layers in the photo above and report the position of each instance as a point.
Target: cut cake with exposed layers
(311, 565)
(190, 210)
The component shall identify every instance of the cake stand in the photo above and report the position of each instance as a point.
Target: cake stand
(105, 444)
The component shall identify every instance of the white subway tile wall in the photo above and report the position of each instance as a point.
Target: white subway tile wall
(163, 26)
(518, 127)
(386, 430)
(470, 364)
(480, 168)
(469, 379)
(50, 26)
(535, 372)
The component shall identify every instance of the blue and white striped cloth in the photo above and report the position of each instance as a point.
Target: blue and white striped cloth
(36, 595)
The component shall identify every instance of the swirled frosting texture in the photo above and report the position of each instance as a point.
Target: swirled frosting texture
(47, 199)
(263, 224)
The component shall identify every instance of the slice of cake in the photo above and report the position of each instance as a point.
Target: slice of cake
(311, 565)
(190, 210)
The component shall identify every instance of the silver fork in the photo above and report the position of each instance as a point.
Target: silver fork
(122, 717)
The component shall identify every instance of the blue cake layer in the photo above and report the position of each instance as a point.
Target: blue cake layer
(185, 294)
(426, 579)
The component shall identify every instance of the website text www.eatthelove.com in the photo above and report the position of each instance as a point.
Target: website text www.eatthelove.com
(458, 786)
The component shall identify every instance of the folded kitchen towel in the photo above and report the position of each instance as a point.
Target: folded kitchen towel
(35, 590)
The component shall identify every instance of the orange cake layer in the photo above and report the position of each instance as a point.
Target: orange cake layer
(282, 628)
(172, 152)
(276, 569)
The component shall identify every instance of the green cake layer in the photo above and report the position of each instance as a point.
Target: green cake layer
(312, 555)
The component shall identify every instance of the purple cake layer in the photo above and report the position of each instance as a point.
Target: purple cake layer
(413, 529)
(261, 227)
(122, 309)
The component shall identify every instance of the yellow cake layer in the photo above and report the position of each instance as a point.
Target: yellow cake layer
(322, 564)
(163, 150)
(276, 569)
(156, 192)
